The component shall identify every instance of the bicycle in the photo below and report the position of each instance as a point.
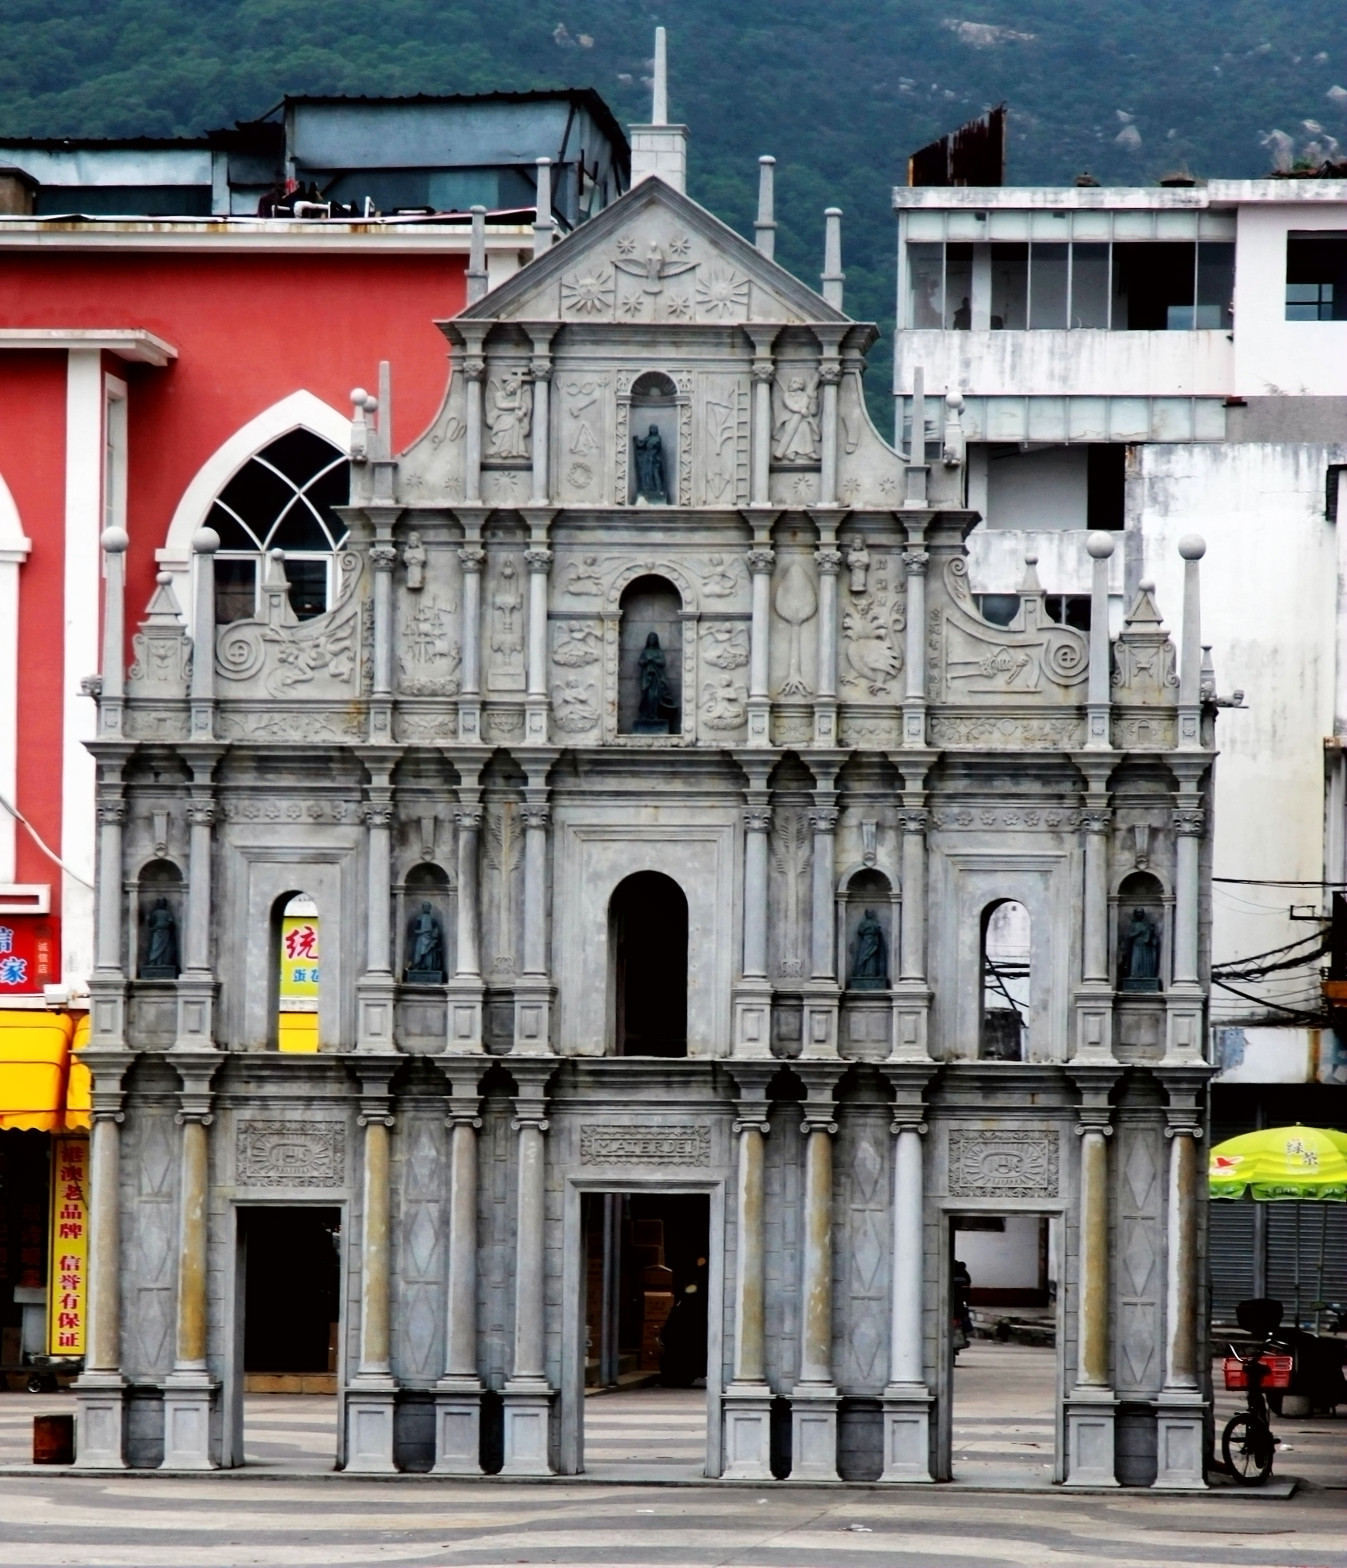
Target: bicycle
(1247, 1444)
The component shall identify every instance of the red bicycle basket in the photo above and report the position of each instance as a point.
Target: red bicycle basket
(1276, 1375)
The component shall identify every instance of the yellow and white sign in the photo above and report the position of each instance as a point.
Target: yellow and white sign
(298, 1022)
(68, 1274)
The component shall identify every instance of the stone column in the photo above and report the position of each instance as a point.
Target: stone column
(107, 985)
(465, 984)
(196, 983)
(189, 1390)
(1181, 1409)
(830, 374)
(1185, 999)
(372, 1392)
(760, 563)
(1094, 995)
(764, 372)
(911, 995)
(915, 559)
(375, 990)
(100, 1388)
(907, 1398)
(1091, 1405)
(829, 560)
(821, 995)
(533, 991)
(474, 370)
(383, 557)
(747, 1402)
(541, 367)
(458, 1394)
(528, 1394)
(753, 993)
(814, 1400)
(205, 542)
(539, 563)
(1192, 547)
(471, 556)
(115, 542)
(1098, 738)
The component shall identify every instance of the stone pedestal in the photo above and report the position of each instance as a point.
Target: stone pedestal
(100, 1419)
(813, 1432)
(458, 1426)
(746, 1416)
(189, 1398)
(369, 1426)
(1180, 1420)
(1090, 1416)
(907, 1433)
(528, 1405)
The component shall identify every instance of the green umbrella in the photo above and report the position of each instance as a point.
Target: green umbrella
(1278, 1163)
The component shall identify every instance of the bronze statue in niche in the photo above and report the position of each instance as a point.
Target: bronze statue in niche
(161, 943)
(425, 949)
(652, 485)
(657, 711)
(1139, 954)
(870, 956)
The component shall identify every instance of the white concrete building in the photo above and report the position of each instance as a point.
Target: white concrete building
(1160, 361)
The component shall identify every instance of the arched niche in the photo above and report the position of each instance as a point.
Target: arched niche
(295, 924)
(653, 462)
(1007, 973)
(426, 926)
(869, 926)
(648, 941)
(159, 901)
(650, 692)
(1141, 929)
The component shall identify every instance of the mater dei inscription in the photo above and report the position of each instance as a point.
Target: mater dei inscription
(290, 1154)
(623, 1145)
(1007, 1164)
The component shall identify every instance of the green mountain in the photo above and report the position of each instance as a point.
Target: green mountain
(839, 93)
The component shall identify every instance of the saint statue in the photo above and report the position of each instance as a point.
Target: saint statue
(795, 434)
(414, 559)
(651, 484)
(657, 705)
(161, 946)
(1139, 955)
(870, 960)
(425, 949)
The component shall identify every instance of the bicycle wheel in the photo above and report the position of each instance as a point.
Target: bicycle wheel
(1247, 1448)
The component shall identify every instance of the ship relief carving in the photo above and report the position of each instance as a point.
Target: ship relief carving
(1033, 657)
(290, 1154)
(278, 655)
(619, 1144)
(1007, 1163)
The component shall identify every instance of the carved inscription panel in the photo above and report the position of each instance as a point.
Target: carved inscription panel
(1002, 1164)
(290, 1154)
(626, 1145)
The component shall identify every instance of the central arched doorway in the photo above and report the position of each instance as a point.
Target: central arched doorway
(648, 931)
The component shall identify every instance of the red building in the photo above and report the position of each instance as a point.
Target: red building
(160, 371)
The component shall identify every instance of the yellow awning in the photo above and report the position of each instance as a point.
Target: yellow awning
(79, 1085)
(34, 1061)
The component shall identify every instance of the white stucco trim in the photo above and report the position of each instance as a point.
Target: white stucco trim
(14, 548)
(84, 461)
(300, 410)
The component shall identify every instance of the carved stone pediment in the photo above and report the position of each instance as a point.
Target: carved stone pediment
(653, 257)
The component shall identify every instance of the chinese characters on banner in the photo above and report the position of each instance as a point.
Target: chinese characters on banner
(27, 955)
(299, 983)
(67, 1275)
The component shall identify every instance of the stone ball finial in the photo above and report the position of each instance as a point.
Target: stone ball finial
(358, 396)
(115, 541)
(1147, 585)
(1031, 557)
(767, 158)
(276, 555)
(205, 541)
(164, 579)
(1192, 547)
(1100, 545)
(954, 400)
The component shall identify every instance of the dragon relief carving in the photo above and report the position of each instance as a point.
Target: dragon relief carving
(325, 654)
(872, 629)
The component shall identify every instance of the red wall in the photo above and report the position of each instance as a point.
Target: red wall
(32, 459)
(249, 330)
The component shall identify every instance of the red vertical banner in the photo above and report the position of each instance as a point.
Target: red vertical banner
(68, 1260)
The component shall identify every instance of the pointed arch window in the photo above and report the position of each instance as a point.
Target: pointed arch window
(281, 499)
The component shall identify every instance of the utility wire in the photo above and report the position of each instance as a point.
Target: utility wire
(1258, 1001)
(49, 853)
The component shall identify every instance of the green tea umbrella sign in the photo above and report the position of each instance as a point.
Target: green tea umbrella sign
(1281, 1163)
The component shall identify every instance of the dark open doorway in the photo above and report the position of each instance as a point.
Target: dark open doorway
(646, 1302)
(649, 932)
(291, 1264)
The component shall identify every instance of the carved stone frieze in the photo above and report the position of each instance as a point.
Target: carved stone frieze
(1049, 817)
(1048, 734)
(620, 1144)
(1005, 1163)
(291, 724)
(270, 809)
(290, 1154)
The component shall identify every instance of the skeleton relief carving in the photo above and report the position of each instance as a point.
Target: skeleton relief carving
(507, 629)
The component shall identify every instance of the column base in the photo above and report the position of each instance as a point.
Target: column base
(1090, 1417)
(465, 1017)
(753, 1020)
(100, 1424)
(1183, 1027)
(813, 1432)
(911, 1011)
(369, 1427)
(822, 1008)
(189, 1398)
(825, 722)
(458, 1427)
(746, 1418)
(196, 1008)
(1180, 1423)
(914, 724)
(527, 1410)
(535, 720)
(907, 1433)
(1094, 1027)
(533, 1018)
(759, 721)
(470, 720)
(374, 997)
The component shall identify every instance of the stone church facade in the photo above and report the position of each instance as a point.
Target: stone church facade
(653, 673)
